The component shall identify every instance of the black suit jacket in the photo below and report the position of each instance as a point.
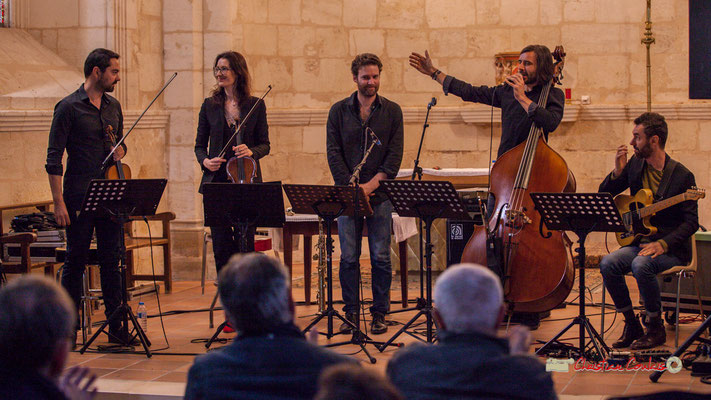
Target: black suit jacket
(675, 224)
(211, 127)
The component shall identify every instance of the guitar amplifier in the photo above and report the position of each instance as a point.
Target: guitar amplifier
(459, 231)
(688, 302)
(458, 234)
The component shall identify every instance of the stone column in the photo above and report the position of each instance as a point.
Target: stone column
(183, 53)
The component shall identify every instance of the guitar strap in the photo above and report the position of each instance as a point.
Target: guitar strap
(666, 179)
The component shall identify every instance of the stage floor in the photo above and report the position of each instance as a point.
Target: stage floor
(163, 376)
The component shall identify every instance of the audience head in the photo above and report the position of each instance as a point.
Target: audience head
(37, 320)
(353, 382)
(468, 298)
(255, 293)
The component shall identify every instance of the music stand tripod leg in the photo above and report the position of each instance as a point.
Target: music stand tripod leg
(123, 312)
(216, 334)
(427, 309)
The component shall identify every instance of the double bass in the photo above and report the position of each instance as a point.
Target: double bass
(536, 273)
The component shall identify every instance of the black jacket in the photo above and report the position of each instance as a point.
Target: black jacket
(346, 141)
(27, 384)
(675, 224)
(279, 365)
(515, 121)
(211, 128)
(468, 366)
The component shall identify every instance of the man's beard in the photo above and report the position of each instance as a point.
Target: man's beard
(644, 152)
(368, 91)
(529, 80)
(107, 87)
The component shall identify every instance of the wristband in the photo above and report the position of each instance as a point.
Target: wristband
(435, 74)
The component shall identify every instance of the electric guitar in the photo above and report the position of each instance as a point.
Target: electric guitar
(637, 211)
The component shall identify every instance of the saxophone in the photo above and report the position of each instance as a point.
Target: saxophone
(321, 268)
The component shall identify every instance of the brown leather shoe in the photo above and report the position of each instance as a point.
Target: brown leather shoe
(655, 336)
(632, 331)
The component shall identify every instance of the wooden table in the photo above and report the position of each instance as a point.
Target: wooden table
(307, 226)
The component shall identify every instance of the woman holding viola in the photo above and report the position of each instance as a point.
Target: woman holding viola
(220, 114)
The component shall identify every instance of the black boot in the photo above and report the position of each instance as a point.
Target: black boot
(345, 328)
(378, 326)
(655, 336)
(633, 330)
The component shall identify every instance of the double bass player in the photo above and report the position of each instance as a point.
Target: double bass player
(518, 99)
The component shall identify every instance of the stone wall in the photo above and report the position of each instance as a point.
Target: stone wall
(38, 69)
(304, 49)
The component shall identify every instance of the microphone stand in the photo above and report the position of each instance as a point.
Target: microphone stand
(417, 172)
(359, 337)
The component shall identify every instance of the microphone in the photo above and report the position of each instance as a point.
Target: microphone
(373, 136)
(432, 103)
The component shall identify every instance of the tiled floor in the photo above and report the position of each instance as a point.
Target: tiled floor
(133, 376)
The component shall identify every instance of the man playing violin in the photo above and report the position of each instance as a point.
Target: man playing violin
(649, 168)
(518, 99)
(83, 125)
(348, 135)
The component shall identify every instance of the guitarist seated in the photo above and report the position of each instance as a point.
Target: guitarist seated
(650, 168)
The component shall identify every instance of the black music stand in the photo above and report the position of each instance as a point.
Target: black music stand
(427, 200)
(580, 213)
(330, 202)
(654, 376)
(243, 206)
(121, 199)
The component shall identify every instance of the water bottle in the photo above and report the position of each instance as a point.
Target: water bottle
(142, 316)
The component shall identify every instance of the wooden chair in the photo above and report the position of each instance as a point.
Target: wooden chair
(137, 242)
(24, 239)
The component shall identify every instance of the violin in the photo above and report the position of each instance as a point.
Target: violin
(241, 169)
(119, 170)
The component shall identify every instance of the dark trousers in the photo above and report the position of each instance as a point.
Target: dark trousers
(226, 241)
(79, 234)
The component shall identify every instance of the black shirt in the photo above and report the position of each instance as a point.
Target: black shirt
(515, 121)
(80, 128)
(347, 141)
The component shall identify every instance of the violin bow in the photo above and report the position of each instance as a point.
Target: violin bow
(241, 124)
(136, 122)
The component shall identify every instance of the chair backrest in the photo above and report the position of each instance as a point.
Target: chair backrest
(691, 266)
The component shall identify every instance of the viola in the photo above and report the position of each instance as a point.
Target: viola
(241, 169)
(119, 170)
(244, 169)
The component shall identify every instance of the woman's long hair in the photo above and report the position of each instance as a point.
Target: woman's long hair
(242, 86)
